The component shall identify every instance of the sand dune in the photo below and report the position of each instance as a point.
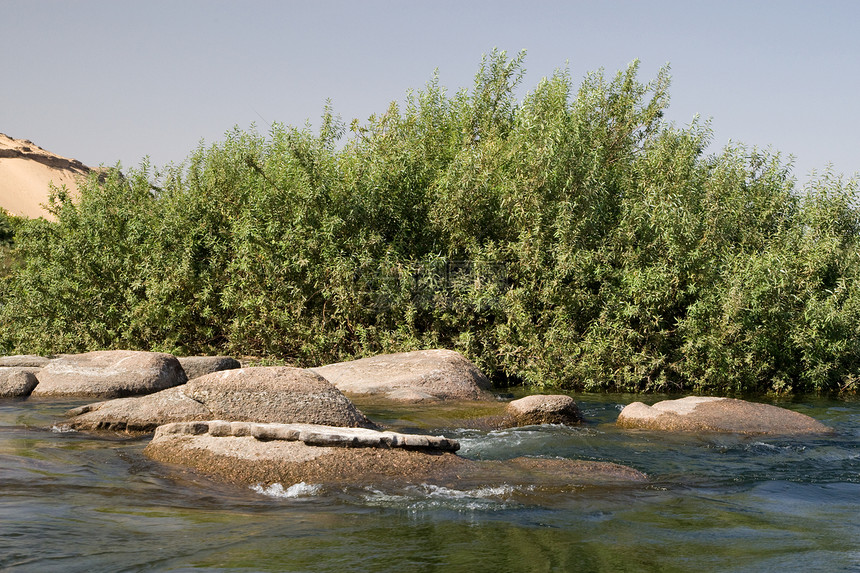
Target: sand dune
(26, 172)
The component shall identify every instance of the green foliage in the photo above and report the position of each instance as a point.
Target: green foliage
(8, 224)
(7, 228)
(570, 238)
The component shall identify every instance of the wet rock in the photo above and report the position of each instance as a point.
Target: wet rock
(24, 361)
(423, 375)
(196, 366)
(703, 414)
(543, 409)
(17, 382)
(278, 455)
(109, 374)
(265, 394)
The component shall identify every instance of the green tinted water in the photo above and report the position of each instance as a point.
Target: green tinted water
(74, 502)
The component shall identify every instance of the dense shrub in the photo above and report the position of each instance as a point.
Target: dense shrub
(7, 239)
(573, 238)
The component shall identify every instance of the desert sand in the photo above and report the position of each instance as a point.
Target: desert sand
(26, 172)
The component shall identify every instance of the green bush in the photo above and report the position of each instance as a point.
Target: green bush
(8, 224)
(571, 239)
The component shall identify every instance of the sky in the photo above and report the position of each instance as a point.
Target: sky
(107, 81)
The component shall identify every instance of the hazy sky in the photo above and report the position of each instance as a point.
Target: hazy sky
(117, 80)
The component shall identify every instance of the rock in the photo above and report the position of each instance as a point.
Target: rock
(265, 394)
(138, 415)
(275, 394)
(247, 460)
(17, 382)
(311, 435)
(196, 366)
(422, 375)
(544, 409)
(109, 374)
(24, 361)
(701, 414)
(254, 454)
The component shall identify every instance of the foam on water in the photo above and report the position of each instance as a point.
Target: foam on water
(477, 493)
(429, 496)
(300, 489)
(62, 429)
(512, 442)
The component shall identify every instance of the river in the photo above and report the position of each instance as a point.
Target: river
(71, 502)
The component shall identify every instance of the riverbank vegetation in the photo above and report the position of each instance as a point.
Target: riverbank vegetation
(8, 224)
(571, 238)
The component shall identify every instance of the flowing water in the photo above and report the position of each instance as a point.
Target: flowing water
(76, 502)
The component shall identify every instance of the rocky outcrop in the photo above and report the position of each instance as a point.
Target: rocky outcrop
(17, 382)
(11, 148)
(277, 455)
(109, 374)
(266, 394)
(543, 409)
(423, 375)
(27, 172)
(701, 414)
(24, 361)
(196, 366)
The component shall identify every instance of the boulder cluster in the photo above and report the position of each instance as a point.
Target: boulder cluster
(281, 424)
(104, 374)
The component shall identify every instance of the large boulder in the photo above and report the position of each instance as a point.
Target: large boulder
(197, 366)
(275, 394)
(253, 454)
(543, 409)
(138, 415)
(17, 382)
(265, 394)
(702, 414)
(109, 374)
(422, 375)
(24, 361)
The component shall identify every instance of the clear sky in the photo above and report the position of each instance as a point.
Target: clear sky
(116, 80)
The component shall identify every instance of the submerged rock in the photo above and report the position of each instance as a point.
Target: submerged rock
(196, 366)
(17, 382)
(256, 454)
(109, 374)
(422, 375)
(703, 414)
(264, 394)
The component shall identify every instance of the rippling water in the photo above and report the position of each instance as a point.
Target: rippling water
(73, 502)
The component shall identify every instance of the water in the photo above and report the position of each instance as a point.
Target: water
(73, 502)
